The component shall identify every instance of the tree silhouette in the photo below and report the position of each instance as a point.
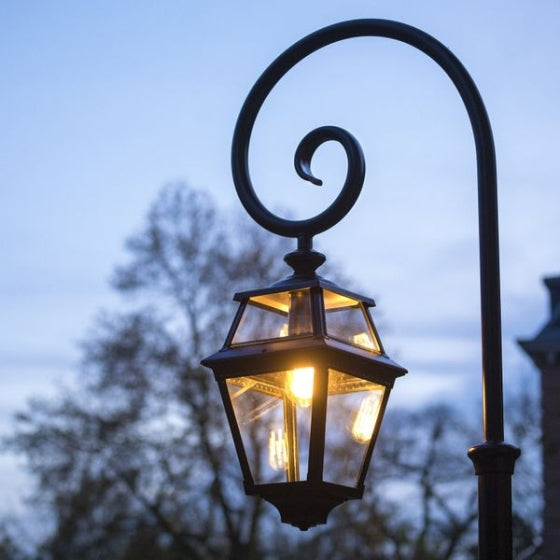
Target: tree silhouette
(137, 462)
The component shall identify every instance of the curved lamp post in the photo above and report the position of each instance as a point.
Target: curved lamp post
(303, 374)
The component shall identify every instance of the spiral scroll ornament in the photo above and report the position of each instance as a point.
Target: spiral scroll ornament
(306, 229)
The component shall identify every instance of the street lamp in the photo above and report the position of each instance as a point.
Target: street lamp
(303, 374)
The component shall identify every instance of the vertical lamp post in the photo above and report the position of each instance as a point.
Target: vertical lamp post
(303, 374)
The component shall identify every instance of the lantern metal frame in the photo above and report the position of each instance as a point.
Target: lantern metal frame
(308, 501)
(493, 459)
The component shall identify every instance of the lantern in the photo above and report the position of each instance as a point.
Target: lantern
(305, 381)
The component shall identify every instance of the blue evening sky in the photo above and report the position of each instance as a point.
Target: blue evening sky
(102, 103)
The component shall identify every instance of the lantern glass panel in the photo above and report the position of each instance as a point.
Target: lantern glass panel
(273, 412)
(275, 315)
(347, 321)
(352, 415)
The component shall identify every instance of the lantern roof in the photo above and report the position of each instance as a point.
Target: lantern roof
(297, 282)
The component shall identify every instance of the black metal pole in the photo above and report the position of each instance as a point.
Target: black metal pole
(493, 460)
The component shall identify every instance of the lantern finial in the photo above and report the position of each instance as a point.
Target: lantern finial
(304, 260)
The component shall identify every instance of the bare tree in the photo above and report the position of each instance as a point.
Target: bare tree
(138, 463)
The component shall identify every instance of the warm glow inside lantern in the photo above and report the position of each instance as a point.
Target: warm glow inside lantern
(305, 382)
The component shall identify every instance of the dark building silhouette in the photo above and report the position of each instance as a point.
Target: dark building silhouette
(544, 350)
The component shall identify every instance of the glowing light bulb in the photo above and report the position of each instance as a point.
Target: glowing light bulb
(277, 450)
(363, 426)
(363, 339)
(299, 386)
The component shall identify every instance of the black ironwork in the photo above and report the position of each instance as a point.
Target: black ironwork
(304, 497)
(494, 460)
